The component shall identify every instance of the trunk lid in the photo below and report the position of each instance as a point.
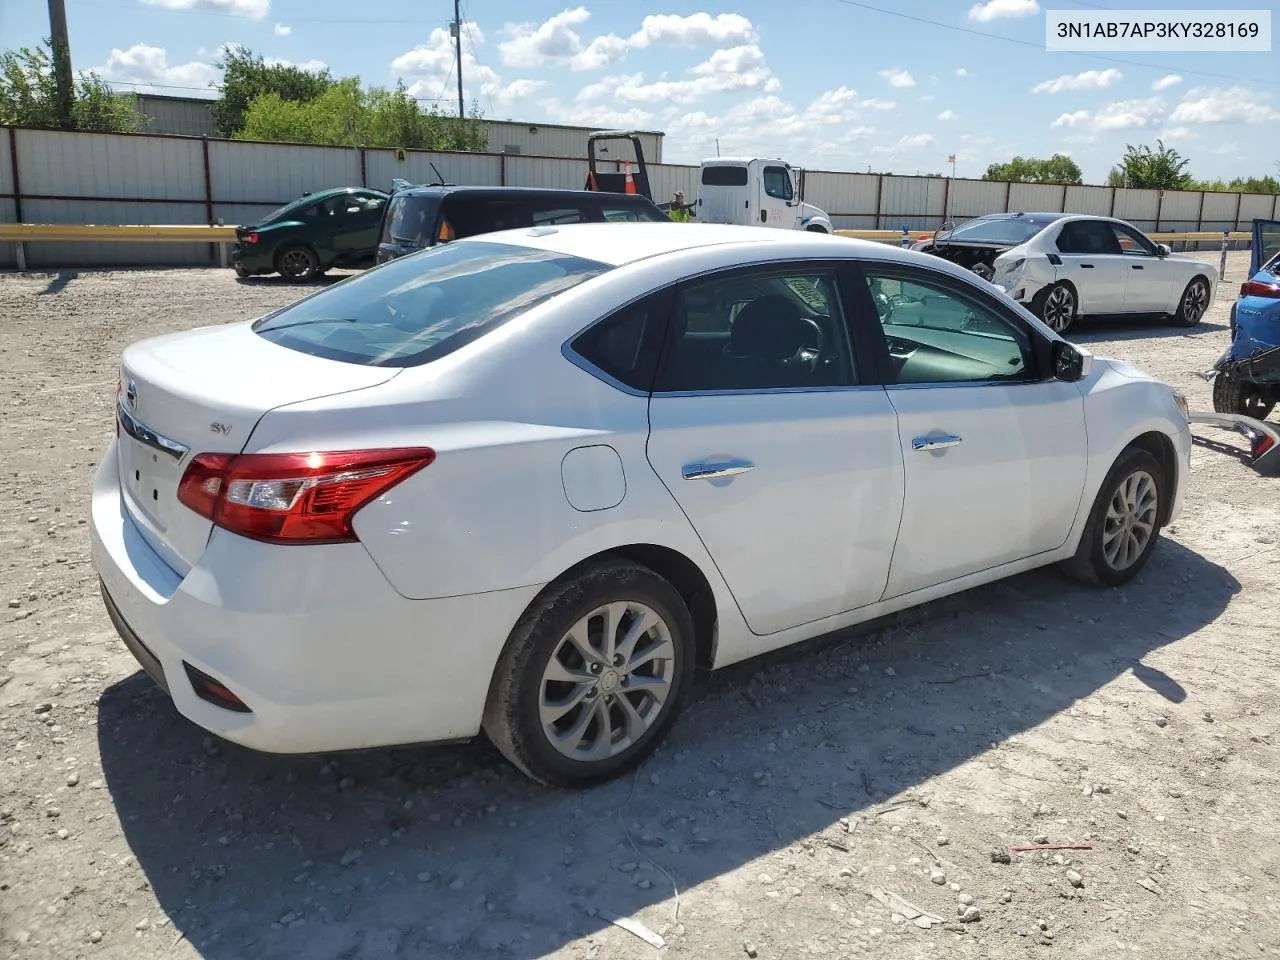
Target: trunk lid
(204, 391)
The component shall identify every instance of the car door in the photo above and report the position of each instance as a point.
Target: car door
(1266, 244)
(776, 194)
(765, 431)
(1094, 264)
(994, 446)
(1151, 277)
(356, 219)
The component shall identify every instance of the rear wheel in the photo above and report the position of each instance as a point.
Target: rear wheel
(593, 676)
(297, 263)
(1194, 303)
(1231, 395)
(1056, 306)
(241, 270)
(1124, 523)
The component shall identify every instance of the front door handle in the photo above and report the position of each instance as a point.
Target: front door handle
(1086, 266)
(710, 471)
(936, 442)
(1136, 266)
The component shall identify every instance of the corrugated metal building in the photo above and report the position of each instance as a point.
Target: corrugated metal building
(185, 116)
(193, 117)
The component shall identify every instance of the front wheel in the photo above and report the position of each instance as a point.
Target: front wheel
(1124, 523)
(1194, 303)
(1056, 306)
(592, 676)
(1244, 399)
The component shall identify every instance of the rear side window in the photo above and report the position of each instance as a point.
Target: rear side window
(409, 219)
(626, 345)
(632, 213)
(724, 176)
(1088, 236)
(419, 308)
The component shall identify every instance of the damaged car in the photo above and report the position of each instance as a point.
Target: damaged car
(1246, 378)
(1066, 266)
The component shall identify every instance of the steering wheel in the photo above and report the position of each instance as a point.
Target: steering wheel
(812, 355)
(900, 349)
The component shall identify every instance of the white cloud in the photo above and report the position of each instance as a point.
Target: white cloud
(1178, 135)
(147, 69)
(698, 29)
(595, 116)
(1003, 9)
(311, 66)
(732, 69)
(520, 89)
(429, 70)
(929, 98)
(601, 52)
(536, 44)
(916, 141)
(281, 30)
(253, 9)
(1089, 80)
(947, 115)
(1164, 83)
(961, 72)
(1124, 114)
(875, 103)
(1225, 148)
(1216, 105)
(1071, 119)
(898, 78)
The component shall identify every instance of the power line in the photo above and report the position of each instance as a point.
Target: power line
(1040, 47)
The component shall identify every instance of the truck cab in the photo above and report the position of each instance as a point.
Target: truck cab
(756, 191)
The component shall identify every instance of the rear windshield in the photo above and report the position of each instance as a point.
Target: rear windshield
(997, 231)
(409, 219)
(419, 308)
(724, 176)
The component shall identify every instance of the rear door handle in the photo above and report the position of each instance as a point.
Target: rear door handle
(936, 442)
(1136, 266)
(710, 471)
(1086, 266)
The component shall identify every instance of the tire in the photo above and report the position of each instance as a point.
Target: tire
(1194, 303)
(514, 712)
(1057, 306)
(1236, 396)
(1100, 560)
(241, 271)
(297, 263)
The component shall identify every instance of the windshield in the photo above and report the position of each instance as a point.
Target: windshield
(418, 308)
(410, 219)
(1001, 231)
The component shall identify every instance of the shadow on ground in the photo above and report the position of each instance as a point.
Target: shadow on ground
(273, 280)
(432, 852)
(59, 281)
(1106, 329)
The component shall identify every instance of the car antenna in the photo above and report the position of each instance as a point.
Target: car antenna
(439, 176)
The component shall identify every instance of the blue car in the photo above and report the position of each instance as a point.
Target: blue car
(1248, 375)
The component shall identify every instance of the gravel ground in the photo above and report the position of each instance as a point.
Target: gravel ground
(794, 801)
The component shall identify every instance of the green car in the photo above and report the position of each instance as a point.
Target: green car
(303, 239)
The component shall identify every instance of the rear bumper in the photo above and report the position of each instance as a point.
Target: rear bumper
(313, 640)
(251, 257)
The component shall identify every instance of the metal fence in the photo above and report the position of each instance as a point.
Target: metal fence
(55, 177)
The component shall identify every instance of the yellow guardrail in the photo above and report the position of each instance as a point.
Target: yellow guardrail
(895, 236)
(189, 233)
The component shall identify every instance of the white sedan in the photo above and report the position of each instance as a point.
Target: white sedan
(526, 483)
(1088, 266)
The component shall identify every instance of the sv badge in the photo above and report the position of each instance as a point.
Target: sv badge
(222, 428)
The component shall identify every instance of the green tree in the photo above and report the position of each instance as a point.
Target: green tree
(1057, 169)
(29, 96)
(1160, 169)
(246, 76)
(347, 115)
(1115, 177)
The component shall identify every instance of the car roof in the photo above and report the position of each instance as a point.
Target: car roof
(531, 193)
(338, 191)
(618, 244)
(1047, 216)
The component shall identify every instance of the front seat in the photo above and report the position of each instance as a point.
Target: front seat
(765, 337)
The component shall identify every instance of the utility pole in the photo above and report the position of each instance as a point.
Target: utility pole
(61, 61)
(457, 33)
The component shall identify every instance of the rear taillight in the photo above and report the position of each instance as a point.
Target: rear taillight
(1256, 288)
(252, 238)
(294, 497)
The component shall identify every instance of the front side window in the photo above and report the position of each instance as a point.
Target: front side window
(938, 333)
(777, 183)
(1132, 243)
(416, 309)
(758, 331)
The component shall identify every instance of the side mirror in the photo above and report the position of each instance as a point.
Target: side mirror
(1163, 249)
(1070, 362)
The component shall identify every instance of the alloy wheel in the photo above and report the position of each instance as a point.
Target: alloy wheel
(607, 681)
(296, 263)
(1059, 308)
(1130, 521)
(1195, 301)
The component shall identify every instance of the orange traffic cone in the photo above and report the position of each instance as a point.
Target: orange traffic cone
(630, 184)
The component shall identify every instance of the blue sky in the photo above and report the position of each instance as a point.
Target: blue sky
(830, 84)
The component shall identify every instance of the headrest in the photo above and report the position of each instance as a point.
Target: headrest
(770, 328)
